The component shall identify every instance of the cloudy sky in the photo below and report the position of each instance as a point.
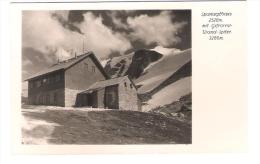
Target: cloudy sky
(51, 35)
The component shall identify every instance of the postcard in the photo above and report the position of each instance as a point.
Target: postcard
(129, 77)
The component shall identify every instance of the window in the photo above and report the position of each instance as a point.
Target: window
(52, 79)
(125, 84)
(131, 86)
(48, 80)
(30, 84)
(57, 78)
(93, 69)
(38, 83)
(44, 81)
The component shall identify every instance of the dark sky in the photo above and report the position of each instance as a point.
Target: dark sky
(76, 16)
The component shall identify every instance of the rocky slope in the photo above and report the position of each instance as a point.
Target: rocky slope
(132, 64)
(180, 109)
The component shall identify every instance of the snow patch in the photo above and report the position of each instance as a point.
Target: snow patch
(151, 83)
(169, 94)
(36, 131)
(104, 62)
(166, 51)
(162, 70)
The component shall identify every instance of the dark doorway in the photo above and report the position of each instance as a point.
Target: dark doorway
(88, 99)
(111, 97)
(94, 99)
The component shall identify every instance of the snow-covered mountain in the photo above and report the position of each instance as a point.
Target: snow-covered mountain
(162, 75)
(161, 70)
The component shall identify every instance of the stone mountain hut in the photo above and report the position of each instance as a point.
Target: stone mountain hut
(81, 81)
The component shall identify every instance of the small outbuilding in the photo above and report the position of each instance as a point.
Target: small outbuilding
(117, 93)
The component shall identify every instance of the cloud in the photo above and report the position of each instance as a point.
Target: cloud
(62, 18)
(40, 30)
(117, 21)
(102, 39)
(34, 61)
(27, 63)
(50, 33)
(155, 29)
(44, 33)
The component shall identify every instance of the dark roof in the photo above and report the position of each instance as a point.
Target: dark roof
(67, 64)
(105, 83)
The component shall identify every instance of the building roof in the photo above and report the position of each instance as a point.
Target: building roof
(105, 83)
(67, 64)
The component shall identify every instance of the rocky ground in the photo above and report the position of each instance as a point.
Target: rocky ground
(180, 110)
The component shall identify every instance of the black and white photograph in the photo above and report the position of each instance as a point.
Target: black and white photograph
(111, 77)
(129, 81)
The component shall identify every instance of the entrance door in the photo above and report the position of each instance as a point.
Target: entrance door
(85, 100)
(89, 100)
(94, 99)
(111, 97)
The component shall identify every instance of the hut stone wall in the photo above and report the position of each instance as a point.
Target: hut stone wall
(128, 99)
